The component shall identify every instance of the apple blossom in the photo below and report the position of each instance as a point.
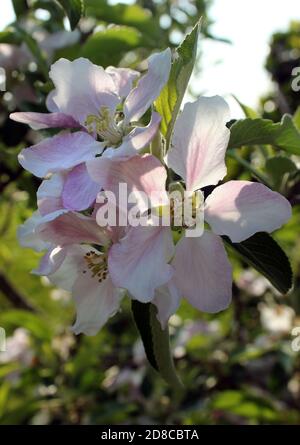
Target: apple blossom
(77, 260)
(201, 271)
(105, 109)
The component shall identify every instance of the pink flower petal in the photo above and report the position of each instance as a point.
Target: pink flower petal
(51, 261)
(140, 174)
(239, 209)
(203, 273)
(167, 300)
(27, 235)
(95, 303)
(79, 191)
(49, 194)
(149, 86)
(139, 263)
(38, 121)
(81, 88)
(72, 228)
(59, 153)
(199, 142)
(123, 79)
(71, 268)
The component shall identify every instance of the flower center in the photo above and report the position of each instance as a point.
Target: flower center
(186, 211)
(108, 128)
(97, 264)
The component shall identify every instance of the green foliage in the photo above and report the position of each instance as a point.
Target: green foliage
(170, 99)
(74, 10)
(9, 36)
(283, 135)
(267, 257)
(20, 7)
(156, 342)
(127, 15)
(108, 46)
(279, 169)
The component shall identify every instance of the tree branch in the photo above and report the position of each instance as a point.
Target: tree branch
(13, 295)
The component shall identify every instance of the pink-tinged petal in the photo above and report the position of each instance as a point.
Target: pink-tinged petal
(167, 300)
(149, 86)
(115, 231)
(82, 88)
(199, 142)
(49, 194)
(59, 153)
(27, 235)
(95, 303)
(143, 174)
(136, 140)
(71, 267)
(139, 263)
(123, 79)
(38, 121)
(79, 191)
(203, 273)
(72, 228)
(239, 209)
(51, 261)
(50, 104)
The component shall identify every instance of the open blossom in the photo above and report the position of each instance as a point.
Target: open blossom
(77, 259)
(105, 108)
(201, 271)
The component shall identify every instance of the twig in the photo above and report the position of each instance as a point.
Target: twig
(13, 295)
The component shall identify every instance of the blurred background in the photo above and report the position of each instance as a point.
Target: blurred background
(238, 366)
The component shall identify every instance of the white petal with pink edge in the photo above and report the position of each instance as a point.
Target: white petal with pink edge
(38, 121)
(139, 262)
(199, 142)
(81, 88)
(123, 79)
(95, 303)
(149, 86)
(167, 300)
(239, 209)
(49, 194)
(143, 174)
(203, 273)
(72, 228)
(79, 190)
(59, 153)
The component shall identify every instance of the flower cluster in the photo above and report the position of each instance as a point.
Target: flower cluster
(107, 123)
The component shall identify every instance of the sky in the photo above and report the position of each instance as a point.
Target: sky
(248, 24)
(238, 68)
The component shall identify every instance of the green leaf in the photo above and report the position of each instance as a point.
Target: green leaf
(169, 101)
(242, 404)
(107, 47)
(10, 36)
(296, 118)
(156, 342)
(283, 135)
(249, 112)
(20, 7)
(127, 15)
(266, 256)
(278, 168)
(74, 10)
